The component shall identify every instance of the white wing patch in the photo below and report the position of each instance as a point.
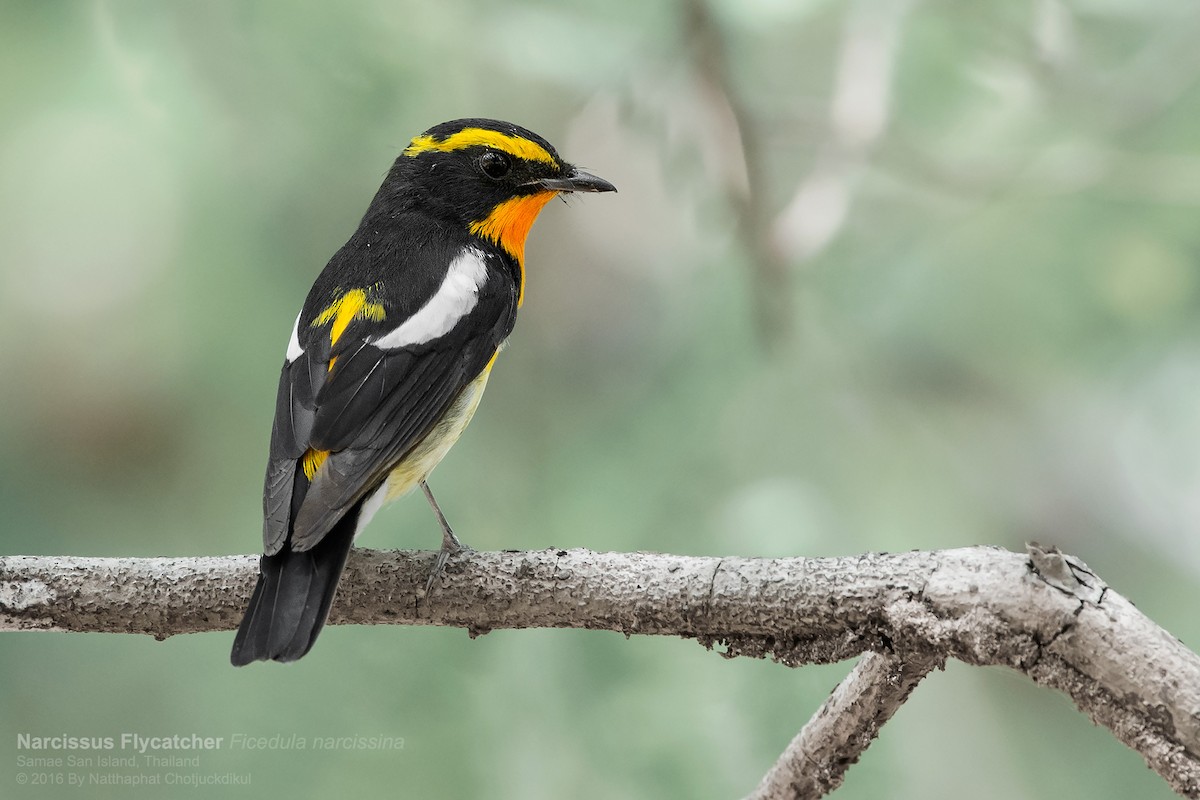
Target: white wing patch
(294, 350)
(370, 506)
(453, 300)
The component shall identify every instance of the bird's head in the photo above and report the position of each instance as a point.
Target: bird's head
(494, 176)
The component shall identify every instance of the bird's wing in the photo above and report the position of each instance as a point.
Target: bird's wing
(354, 400)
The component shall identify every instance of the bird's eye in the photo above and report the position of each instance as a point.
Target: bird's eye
(494, 165)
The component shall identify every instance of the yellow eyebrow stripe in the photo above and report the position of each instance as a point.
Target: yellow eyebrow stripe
(517, 146)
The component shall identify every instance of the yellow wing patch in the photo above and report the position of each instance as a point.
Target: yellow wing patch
(350, 306)
(508, 225)
(312, 460)
(517, 146)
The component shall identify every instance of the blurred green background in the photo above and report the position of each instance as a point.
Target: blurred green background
(880, 276)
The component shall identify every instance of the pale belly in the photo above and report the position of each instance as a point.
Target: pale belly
(433, 448)
(417, 465)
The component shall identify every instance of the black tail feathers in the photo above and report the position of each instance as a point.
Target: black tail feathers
(292, 598)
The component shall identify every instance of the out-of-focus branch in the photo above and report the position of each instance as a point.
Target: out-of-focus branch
(741, 141)
(1119, 99)
(1041, 613)
(859, 111)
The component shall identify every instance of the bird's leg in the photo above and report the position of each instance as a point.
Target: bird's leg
(450, 542)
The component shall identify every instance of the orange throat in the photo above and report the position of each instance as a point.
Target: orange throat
(508, 225)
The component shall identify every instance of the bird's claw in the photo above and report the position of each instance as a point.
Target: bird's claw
(450, 546)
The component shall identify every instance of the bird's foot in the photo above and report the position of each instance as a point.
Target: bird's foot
(450, 546)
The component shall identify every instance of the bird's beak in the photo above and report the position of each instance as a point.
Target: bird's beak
(576, 181)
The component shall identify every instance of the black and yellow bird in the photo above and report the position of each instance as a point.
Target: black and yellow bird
(389, 357)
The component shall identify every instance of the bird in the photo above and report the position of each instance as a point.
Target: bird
(388, 359)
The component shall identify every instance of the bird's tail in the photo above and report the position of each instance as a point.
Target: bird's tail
(292, 598)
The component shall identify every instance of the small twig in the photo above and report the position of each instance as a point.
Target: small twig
(815, 762)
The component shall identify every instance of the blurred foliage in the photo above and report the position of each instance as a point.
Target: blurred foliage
(880, 276)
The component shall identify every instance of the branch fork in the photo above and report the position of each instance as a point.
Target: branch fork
(1042, 613)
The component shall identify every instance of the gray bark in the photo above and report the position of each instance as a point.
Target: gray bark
(815, 763)
(1041, 613)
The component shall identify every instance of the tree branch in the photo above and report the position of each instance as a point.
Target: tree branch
(1042, 613)
(815, 763)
